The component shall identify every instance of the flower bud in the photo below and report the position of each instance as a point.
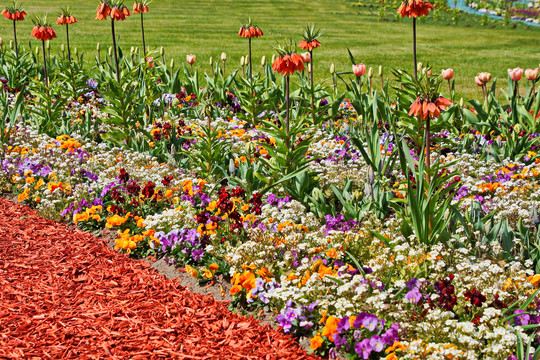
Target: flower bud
(211, 61)
(332, 69)
(98, 47)
(191, 59)
(36, 51)
(162, 51)
(380, 71)
(448, 74)
(246, 60)
(308, 67)
(242, 61)
(110, 51)
(132, 50)
(419, 67)
(1, 42)
(263, 61)
(359, 70)
(461, 102)
(62, 49)
(306, 57)
(223, 56)
(76, 52)
(48, 45)
(370, 72)
(172, 63)
(485, 77)
(273, 58)
(11, 44)
(531, 74)
(515, 74)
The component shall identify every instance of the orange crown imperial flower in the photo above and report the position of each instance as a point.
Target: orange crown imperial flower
(103, 10)
(310, 38)
(250, 30)
(287, 64)
(66, 17)
(14, 12)
(140, 7)
(428, 108)
(42, 30)
(414, 8)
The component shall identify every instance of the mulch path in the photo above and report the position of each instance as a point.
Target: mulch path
(65, 294)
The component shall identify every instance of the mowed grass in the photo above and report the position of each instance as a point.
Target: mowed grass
(208, 28)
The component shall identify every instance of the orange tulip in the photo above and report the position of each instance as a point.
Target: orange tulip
(531, 74)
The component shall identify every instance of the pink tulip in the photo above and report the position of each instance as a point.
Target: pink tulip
(150, 62)
(515, 74)
(448, 74)
(359, 70)
(485, 77)
(531, 74)
(478, 81)
(306, 57)
(191, 59)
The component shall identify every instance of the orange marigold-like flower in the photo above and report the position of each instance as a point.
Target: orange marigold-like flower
(288, 64)
(427, 108)
(309, 45)
(414, 8)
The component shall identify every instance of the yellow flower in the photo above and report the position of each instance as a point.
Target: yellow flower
(245, 207)
(30, 180)
(191, 271)
(236, 289)
(207, 274)
(214, 266)
(23, 196)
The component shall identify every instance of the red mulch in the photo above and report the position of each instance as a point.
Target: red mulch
(66, 295)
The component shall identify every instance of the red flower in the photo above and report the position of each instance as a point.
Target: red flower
(65, 19)
(414, 8)
(140, 7)
(14, 14)
(120, 13)
(425, 108)
(288, 64)
(103, 10)
(309, 45)
(250, 31)
(43, 32)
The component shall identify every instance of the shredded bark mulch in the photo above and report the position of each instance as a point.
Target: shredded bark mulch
(64, 294)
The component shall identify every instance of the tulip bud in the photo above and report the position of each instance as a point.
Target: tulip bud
(370, 72)
(531, 74)
(306, 57)
(11, 44)
(246, 60)
(273, 58)
(231, 167)
(36, 51)
(48, 45)
(419, 67)
(242, 61)
(428, 72)
(98, 47)
(172, 63)
(448, 74)
(380, 71)
(223, 56)
(517, 128)
(332, 69)
(263, 60)
(76, 51)
(211, 61)
(1, 42)
(309, 67)
(461, 102)
(110, 51)
(162, 51)
(62, 49)
(132, 50)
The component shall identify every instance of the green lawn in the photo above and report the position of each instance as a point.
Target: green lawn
(207, 28)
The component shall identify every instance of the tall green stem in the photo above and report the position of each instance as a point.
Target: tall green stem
(45, 64)
(69, 50)
(287, 113)
(115, 51)
(15, 36)
(414, 48)
(143, 40)
(250, 68)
